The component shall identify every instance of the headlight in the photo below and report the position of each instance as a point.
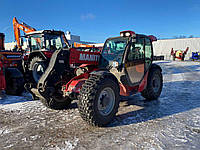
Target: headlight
(127, 34)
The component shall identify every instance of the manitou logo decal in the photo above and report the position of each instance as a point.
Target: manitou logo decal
(88, 57)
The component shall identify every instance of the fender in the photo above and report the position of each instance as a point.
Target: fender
(44, 54)
(106, 74)
(155, 66)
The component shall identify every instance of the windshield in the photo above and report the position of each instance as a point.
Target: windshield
(54, 42)
(36, 42)
(114, 48)
(50, 42)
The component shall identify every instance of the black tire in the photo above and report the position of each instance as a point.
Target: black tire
(53, 103)
(89, 98)
(15, 86)
(34, 63)
(154, 84)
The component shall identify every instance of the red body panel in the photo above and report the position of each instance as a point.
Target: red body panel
(83, 57)
(48, 54)
(143, 84)
(75, 84)
(129, 90)
(9, 58)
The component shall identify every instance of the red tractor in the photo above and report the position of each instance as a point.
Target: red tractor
(97, 79)
(179, 54)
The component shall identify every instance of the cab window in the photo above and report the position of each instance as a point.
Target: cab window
(136, 50)
(148, 52)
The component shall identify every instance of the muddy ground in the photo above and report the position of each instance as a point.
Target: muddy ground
(172, 122)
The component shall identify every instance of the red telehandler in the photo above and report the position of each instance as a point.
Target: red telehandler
(124, 67)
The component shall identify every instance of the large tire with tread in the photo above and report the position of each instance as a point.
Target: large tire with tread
(94, 107)
(57, 105)
(37, 68)
(154, 84)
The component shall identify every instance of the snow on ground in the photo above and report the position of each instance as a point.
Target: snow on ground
(172, 122)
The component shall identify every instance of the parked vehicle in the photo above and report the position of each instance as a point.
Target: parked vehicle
(124, 67)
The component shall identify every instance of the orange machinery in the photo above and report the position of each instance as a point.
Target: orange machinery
(20, 26)
(82, 45)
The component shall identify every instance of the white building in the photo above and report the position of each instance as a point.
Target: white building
(163, 47)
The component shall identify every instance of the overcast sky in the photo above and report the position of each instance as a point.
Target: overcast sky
(96, 20)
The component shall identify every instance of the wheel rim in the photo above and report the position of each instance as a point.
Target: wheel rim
(38, 70)
(156, 83)
(106, 101)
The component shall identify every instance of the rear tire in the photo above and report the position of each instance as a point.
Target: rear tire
(98, 100)
(154, 85)
(37, 68)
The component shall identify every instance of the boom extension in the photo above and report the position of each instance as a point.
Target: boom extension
(20, 26)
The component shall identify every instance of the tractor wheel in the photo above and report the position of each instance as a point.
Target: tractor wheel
(98, 100)
(56, 104)
(15, 86)
(154, 85)
(37, 68)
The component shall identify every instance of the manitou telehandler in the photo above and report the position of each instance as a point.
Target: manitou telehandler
(124, 67)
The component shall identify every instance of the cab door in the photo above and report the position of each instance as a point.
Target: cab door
(135, 62)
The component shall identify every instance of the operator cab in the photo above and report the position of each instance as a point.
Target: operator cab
(48, 40)
(128, 56)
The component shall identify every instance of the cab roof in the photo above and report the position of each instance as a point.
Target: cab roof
(44, 32)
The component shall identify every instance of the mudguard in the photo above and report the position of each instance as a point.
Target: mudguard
(106, 74)
(156, 66)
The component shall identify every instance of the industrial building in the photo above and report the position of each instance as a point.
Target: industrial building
(163, 47)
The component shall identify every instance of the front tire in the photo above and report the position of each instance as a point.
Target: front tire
(154, 85)
(98, 100)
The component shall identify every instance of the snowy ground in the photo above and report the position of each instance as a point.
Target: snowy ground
(172, 122)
